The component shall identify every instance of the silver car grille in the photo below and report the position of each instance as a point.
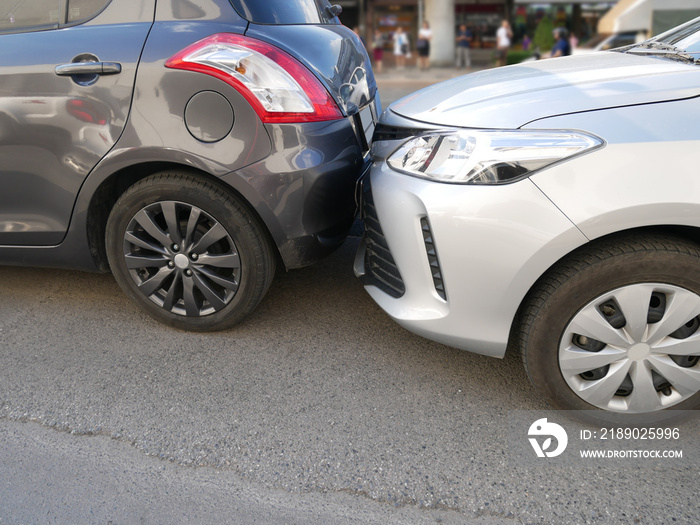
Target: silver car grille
(380, 267)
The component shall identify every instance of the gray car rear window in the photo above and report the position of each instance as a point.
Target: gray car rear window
(84, 9)
(25, 13)
(18, 15)
(284, 11)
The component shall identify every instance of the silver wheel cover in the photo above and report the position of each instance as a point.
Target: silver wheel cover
(643, 366)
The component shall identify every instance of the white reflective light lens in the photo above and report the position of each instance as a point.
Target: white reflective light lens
(487, 157)
(276, 90)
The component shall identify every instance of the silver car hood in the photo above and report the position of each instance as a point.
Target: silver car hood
(512, 96)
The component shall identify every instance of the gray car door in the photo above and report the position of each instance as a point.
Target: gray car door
(66, 83)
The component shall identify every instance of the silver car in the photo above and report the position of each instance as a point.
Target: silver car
(552, 208)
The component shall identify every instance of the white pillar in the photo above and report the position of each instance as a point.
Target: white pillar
(441, 16)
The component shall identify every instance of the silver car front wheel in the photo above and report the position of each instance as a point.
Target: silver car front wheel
(635, 349)
(616, 327)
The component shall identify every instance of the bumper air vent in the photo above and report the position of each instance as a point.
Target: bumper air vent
(435, 270)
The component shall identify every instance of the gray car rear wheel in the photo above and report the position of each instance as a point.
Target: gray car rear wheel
(617, 328)
(188, 253)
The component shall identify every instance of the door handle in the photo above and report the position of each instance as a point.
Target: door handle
(88, 68)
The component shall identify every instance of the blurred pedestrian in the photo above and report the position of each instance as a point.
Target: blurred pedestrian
(464, 43)
(526, 43)
(378, 50)
(425, 35)
(503, 36)
(561, 47)
(573, 42)
(401, 47)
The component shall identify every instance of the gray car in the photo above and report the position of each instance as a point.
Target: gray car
(191, 147)
(551, 208)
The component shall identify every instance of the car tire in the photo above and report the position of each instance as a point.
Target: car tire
(615, 328)
(188, 253)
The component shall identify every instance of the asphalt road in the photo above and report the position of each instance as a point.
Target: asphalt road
(318, 409)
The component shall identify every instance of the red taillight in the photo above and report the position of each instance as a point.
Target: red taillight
(278, 86)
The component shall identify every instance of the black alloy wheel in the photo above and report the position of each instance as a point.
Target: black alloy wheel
(188, 253)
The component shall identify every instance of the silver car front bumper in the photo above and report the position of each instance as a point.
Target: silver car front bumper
(465, 255)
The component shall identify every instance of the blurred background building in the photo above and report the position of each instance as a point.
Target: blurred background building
(587, 21)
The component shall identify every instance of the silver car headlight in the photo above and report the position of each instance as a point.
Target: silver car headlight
(487, 157)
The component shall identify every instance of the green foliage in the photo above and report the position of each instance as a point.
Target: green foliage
(544, 39)
(515, 57)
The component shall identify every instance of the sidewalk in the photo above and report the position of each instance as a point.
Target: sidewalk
(481, 59)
